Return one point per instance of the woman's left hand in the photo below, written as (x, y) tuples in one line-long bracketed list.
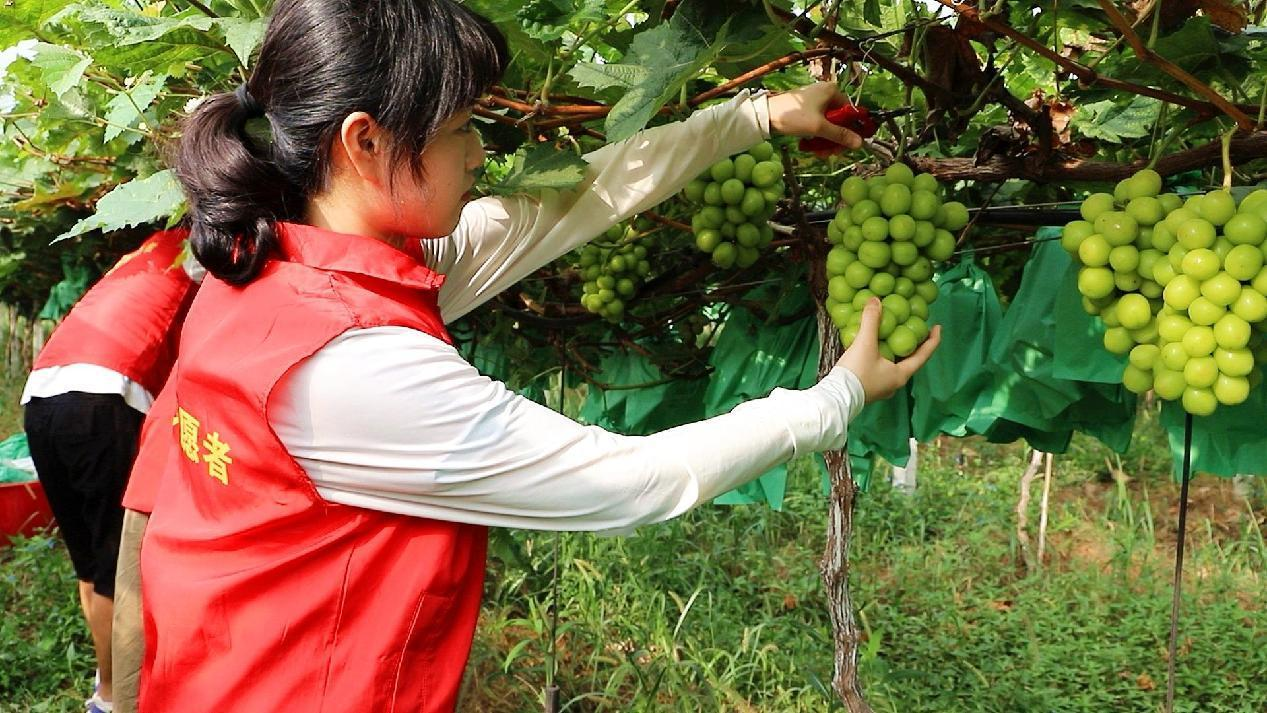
[(801, 112)]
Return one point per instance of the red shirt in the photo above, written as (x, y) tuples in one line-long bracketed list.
[(260, 595)]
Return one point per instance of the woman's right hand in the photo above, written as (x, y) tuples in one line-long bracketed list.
[(879, 376)]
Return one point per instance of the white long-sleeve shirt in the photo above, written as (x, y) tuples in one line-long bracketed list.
[(392, 419)]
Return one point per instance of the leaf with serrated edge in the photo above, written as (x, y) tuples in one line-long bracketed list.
[(1109, 121), (242, 36), (542, 167), (128, 107), (673, 52), (603, 76), (139, 201), (61, 67)]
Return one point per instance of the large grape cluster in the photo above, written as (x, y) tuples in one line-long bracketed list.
[(736, 197), (1180, 287), (614, 267), (887, 234)]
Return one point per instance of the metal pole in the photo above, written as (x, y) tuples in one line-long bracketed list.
[(1178, 584)]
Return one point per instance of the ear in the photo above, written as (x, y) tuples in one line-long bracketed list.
[(362, 146)]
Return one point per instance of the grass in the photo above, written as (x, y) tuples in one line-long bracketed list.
[(721, 609)]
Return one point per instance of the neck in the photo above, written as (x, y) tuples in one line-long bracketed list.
[(322, 212)]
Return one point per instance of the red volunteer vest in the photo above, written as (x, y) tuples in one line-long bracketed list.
[(156, 451), (260, 596), (130, 320)]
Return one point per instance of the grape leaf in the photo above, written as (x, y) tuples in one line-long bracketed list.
[(61, 68), (163, 45), (130, 27), (542, 167), (1110, 121), (871, 12), (605, 76), (672, 53), (127, 108), (139, 201), (243, 36), (23, 20)]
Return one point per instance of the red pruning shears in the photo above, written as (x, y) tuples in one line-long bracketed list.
[(858, 119)]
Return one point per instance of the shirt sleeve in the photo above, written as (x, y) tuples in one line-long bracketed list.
[(392, 419), (499, 241)]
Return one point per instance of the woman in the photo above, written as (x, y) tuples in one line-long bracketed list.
[(321, 544)]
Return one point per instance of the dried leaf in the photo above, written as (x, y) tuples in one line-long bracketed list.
[(1228, 15), (952, 63)]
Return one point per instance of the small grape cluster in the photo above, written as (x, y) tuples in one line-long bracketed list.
[(736, 197), (614, 269), (887, 234), (1180, 286)]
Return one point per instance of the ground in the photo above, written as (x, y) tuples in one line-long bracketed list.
[(721, 609)]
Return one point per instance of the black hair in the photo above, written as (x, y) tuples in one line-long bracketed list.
[(411, 64)]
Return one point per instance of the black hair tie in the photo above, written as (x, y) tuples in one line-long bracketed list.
[(250, 107)]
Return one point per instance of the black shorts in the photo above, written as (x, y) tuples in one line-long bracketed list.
[(83, 446)]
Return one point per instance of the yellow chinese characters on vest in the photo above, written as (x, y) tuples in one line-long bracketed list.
[(209, 450)]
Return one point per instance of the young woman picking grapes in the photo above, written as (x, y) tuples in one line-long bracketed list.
[(318, 539)]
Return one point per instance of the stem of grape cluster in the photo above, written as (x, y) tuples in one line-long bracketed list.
[(1227, 157), (1262, 105)]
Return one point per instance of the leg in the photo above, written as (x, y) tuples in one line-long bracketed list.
[(98, 445), (85, 599), (47, 436), (99, 623), (128, 635)]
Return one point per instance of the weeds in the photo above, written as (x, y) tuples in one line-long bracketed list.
[(720, 610)]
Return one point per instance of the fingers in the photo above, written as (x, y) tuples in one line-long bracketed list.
[(908, 366), (869, 327), (835, 97), (846, 138)]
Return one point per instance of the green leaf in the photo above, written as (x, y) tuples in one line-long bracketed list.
[(1110, 121), (127, 108), (672, 53), (139, 201), (163, 45), (243, 36), (129, 27), (871, 12), (1191, 45), (23, 19), (542, 167), (605, 76), (60, 67)]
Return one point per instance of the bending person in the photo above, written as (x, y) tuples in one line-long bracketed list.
[(90, 387)]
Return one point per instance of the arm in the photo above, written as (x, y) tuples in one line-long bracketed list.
[(392, 419), (499, 241)]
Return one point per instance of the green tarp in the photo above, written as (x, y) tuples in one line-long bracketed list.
[(75, 280), (1231, 441), (752, 358), (15, 460)]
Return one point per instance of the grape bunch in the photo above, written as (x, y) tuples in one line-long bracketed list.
[(1180, 286), (886, 236), (614, 267), (736, 197)]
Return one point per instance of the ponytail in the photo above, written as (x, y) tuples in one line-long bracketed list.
[(236, 192)]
